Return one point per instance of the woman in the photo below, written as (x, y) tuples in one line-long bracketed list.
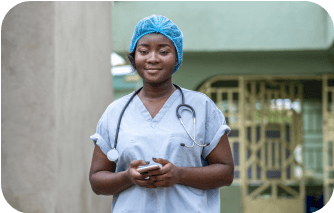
[(151, 133)]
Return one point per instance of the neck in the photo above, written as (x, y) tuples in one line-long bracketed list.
[(156, 91)]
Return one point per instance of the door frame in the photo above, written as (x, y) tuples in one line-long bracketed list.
[(206, 88), (328, 136)]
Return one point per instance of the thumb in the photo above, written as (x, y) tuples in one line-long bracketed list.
[(161, 161), (137, 163)]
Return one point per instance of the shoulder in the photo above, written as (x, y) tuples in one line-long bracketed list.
[(200, 100)]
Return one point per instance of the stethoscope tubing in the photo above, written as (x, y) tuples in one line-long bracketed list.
[(187, 107), (121, 115)]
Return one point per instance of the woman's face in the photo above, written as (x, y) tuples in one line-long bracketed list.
[(155, 58)]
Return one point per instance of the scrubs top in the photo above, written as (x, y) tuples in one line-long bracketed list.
[(142, 137)]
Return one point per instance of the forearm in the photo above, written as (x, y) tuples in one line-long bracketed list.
[(109, 183), (208, 177)]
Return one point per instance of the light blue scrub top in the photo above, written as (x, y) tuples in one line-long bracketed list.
[(141, 138)]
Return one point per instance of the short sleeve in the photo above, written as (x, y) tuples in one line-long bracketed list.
[(215, 128), (101, 137)]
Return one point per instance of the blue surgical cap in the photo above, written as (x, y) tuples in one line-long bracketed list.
[(159, 24)]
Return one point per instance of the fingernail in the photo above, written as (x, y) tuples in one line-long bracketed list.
[(154, 158), (147, 162)]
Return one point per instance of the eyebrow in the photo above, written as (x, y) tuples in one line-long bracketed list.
[(160, 45)]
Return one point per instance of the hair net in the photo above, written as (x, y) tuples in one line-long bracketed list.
[(159, 24)]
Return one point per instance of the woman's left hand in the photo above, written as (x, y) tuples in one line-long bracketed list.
[(167, 176)]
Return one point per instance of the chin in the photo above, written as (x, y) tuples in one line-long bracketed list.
[(156, 82)]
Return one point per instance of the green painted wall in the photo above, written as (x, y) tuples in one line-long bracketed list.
[(224, 38), (198, 67), (224, 26)]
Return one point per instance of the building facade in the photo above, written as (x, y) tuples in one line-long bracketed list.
[(269, 67)]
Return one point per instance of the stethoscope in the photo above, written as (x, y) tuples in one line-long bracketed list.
[(113, 153)]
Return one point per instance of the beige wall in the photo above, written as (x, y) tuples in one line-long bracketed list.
[(56, 83)]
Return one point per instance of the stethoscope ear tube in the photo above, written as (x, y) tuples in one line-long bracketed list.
[(113, 153), (184, 105), (121, 115)]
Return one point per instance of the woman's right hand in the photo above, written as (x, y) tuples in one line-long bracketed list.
[(136, 177)]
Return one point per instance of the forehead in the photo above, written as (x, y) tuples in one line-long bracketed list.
[(154, 39)]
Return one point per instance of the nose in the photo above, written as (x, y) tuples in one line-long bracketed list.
[(153, 58)]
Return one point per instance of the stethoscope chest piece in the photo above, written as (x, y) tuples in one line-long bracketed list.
[(112, 155)]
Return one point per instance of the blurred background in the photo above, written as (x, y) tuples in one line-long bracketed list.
[(269, 67)]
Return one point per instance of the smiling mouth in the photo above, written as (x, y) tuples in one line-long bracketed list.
[(153, 71)]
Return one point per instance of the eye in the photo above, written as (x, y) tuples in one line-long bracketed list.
[(164, 52), (143, 52)]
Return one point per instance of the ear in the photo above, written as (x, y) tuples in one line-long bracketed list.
[(176, 56)]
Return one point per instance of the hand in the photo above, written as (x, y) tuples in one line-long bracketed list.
[(167, 176), (136, 177)]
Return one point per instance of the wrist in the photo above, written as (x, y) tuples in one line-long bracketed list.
[(180, 172), (128, 177)]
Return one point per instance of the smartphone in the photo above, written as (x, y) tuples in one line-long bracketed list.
[(148, 168)]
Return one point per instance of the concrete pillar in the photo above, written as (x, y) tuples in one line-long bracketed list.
[(56, 83)]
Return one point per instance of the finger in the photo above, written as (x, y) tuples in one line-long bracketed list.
[(145, 183), (150, 187), (140, 177), (166, 168), (153, 172), (161, 161), (159, 184), (154, 178), (136, 175), (137, 163), (158, 178)]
